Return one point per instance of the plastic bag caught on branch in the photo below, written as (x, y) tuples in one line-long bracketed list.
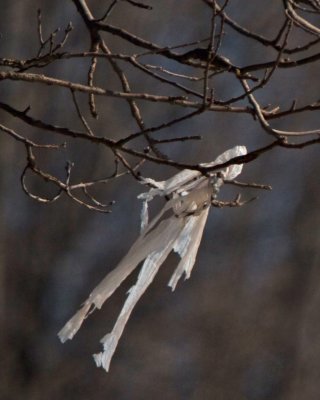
[(178, 226)]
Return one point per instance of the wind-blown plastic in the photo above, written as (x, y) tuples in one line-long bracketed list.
[(178, 226)]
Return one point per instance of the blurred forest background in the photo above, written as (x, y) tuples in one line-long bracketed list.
[(246, 325)]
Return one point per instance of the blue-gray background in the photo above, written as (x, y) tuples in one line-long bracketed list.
[(246, 325)]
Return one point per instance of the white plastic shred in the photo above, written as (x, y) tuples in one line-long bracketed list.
[(188, 206), (187, 246)]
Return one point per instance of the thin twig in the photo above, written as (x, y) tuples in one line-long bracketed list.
[(248, 185), (235, 203), (80, 115)]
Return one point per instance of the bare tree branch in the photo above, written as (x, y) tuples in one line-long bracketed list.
[(171, 87)]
